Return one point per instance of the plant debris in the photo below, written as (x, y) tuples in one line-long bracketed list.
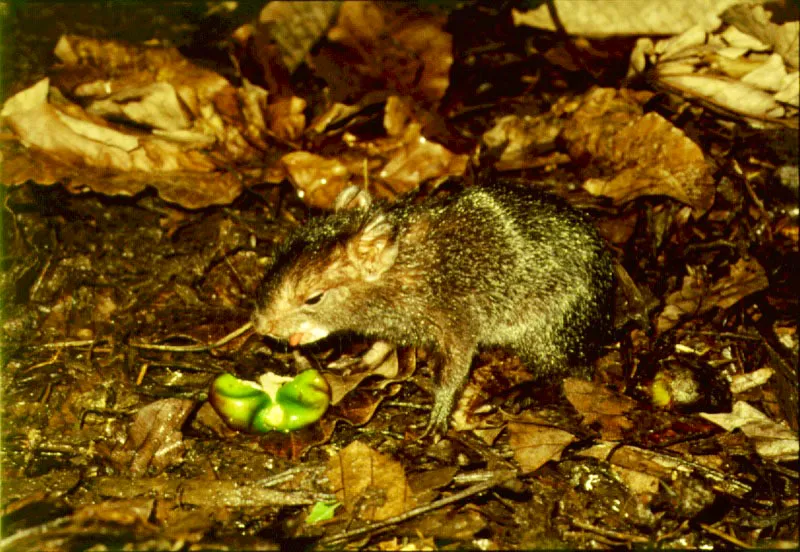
[(153, 160)]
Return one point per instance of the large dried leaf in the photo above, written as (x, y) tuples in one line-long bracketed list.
[(371, 486), (155, 441), (599, 405), (318, 180), (600, 18), (408, 52), (188, 128), (381, 360), (641, 154), (773, 441), (659, 468), (748, 69), (535, 442), (696, 297), (523, 141), (396, 164), (756, 21)]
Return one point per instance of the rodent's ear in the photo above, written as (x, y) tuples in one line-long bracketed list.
[(352, 197), (374, 249)]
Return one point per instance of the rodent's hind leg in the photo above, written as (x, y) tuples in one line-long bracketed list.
[(453, 372)]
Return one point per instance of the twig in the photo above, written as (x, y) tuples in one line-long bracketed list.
[(285, 475), (617, 535), (724, 536), (195, 348), (475, 489), (35, 531), (68, 344)]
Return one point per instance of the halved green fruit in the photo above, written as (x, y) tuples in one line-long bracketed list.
[(275, 403)]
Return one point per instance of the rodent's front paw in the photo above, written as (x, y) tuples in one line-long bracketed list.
[(374, 357), (439, 421)]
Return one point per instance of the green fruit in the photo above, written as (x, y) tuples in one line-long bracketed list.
[(275, 403)]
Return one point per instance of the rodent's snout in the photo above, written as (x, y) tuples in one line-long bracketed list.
[(261, 325)]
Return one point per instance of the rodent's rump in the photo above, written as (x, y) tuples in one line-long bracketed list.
[(489, 266)]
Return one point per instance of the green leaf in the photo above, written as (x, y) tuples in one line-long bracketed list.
[(322, 511)]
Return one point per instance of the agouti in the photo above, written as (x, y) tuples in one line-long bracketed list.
[(496, 265)]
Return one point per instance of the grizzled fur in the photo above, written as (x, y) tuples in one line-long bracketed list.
[(489, 266)]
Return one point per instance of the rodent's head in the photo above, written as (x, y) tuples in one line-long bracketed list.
[(306, 294)]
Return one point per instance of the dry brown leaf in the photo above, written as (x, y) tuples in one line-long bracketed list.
[(318, 180), (747, 69), (664, 466), (191, 131), (371, 486), (641, 154), (155, 441), (336, 112), (410, 157), (418, 159), (600, 18), (745, 382), (132, 83), (287, 119), (186, 187), (756, 21), (296, 27), (381, 360), (408, 52), (695, 297), (597, 404), (361, 403), (737, 96), (534, 442), (402, 160), (448, 524), (524, 140), (773, 441)]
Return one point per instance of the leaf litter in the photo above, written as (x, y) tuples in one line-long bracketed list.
[(147, 183)]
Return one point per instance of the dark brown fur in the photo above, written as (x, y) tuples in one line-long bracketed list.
[(489, 266)]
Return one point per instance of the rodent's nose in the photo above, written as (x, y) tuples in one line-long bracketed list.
[(261, 325)]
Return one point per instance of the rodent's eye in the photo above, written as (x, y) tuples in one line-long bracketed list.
[(314, 298)]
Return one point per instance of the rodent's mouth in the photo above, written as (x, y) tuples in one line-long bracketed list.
[(295, 332), (311, 335)]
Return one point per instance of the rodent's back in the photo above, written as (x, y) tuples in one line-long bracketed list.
[(513, 267), (496, 265)]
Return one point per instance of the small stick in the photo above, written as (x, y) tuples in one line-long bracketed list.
[(195, 348), (724, 536), (475, 489)]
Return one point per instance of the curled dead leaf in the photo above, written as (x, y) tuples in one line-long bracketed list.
[(773, 440), (155, 440), (745, 68), (695, 297), (524, 140), (419, 160), (184, 130)]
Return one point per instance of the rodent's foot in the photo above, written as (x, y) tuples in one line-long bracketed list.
[(439, 422), (370, 360), (431, 430)]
